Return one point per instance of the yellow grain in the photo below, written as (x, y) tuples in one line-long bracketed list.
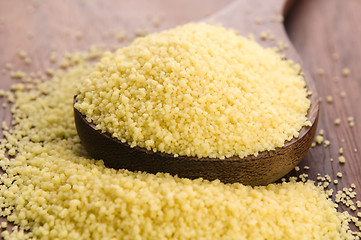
[(346, 72)]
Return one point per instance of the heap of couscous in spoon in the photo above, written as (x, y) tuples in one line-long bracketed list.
[(196, 90)]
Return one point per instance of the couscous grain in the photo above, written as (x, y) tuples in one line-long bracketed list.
[(346, 72), (341, 159)]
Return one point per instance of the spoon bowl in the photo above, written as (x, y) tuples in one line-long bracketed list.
[(245, 16), (265, 168)]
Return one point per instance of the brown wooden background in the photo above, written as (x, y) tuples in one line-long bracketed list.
[(317, 28)]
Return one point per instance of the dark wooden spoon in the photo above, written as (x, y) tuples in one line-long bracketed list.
[(246, 17)]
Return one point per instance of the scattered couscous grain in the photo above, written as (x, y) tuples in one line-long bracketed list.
[(329, 99), (64, 63), (49, 71), (5, 234), (18, 74), (4, 126), (141, 32), (319, 139), (281, 46), (186, 93), (264, 35), (337, 121), (22, 54), (350, 121), (303, 177), (258, 21), (79, 35), (8, 66), (320, 71), (340, 151), (17, 87), (249, 36), (156, 21), (27, 60), (4, 224), (346, 72), (271, 37), (53, 57), (121, 36), (341, 159)]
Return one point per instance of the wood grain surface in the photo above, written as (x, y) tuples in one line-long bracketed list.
[(321, 30), (317, 28)]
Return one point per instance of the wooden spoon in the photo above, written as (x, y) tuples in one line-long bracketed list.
[(246, 17)]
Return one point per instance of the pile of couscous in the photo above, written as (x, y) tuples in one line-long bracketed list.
[(51, 189), (196, 90)]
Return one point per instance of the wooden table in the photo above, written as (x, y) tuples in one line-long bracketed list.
[(326, 35), (319, 29)]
